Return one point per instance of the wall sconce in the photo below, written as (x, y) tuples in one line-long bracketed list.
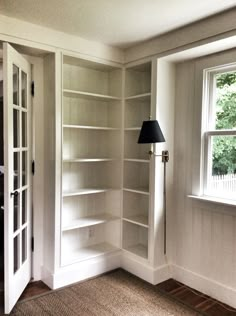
[(151, 133)]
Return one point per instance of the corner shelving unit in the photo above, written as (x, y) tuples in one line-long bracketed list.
[(135, 237), (91, 160)]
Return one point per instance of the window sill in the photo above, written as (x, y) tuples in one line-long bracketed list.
[(213, 199)]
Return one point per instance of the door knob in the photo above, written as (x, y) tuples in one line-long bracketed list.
[(15, 194)]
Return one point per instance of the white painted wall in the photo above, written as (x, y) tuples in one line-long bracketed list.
[(38, 156), (165, 111), (204, 254), (49, 224), (33, 35)]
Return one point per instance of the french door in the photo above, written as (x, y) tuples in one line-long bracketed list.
[(17, 178)]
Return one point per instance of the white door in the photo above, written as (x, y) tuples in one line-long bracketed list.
[(17, 178)]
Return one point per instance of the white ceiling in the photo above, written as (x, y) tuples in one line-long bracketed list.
[(120, 23)]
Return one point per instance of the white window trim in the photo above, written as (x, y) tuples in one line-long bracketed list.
[(207, 121)]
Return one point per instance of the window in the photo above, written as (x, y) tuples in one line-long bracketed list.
[(219, 132)]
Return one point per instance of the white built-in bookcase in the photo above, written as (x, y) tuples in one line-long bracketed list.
[(91, 160), (100, 128), (136, 193)]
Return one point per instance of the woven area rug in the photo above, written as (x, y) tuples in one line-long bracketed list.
[(117, 293)]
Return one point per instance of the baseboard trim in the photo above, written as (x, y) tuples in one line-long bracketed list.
[(205, 285), (47, 277), (144, 271), (85, 270), (97, 266), (162, 273)]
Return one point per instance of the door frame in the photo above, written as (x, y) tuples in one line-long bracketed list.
[(37, 146)]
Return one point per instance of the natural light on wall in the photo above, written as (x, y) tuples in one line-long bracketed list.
[(220, 134)]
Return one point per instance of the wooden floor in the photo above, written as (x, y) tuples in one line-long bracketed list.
[(34, 289), (194, 299)]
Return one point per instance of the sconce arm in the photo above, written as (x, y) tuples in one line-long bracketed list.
[(164, 155)]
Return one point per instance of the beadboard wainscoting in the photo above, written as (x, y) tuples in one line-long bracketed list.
[(204, 253)]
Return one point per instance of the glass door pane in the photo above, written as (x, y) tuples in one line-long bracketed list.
[(16, 212), (24, 128), (16, 128), (16, 170), (23, 89), (15, 85)]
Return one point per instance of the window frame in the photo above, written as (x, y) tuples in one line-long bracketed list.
[(208, 129)]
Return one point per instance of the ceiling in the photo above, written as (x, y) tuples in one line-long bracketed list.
[(119, 23)]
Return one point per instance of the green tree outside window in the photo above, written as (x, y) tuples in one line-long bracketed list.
[(224, 147)]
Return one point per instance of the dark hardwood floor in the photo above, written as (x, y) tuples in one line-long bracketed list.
[(195, 299), (34, 289)]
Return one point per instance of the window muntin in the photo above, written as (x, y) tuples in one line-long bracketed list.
[(220, 133)]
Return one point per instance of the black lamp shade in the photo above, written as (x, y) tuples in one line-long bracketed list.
[(150, 133)]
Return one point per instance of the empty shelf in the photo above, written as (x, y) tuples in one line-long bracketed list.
[(90, 221), (102, 128), (139, 250), (88, 160), (138, 190), (88, 95), (137, 219), (136, 128), (143, 96), (85, 253), (137, 160), (84, 191)]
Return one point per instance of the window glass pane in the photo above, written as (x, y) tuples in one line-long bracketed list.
[(15, 85), (24, 168), (16, 128), (225, 101), (24, 245), (23, 89), (24, 129), (222, 178), (16, 175)]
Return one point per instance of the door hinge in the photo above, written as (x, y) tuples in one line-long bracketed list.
[(32, 88), (32, 244), (33, 167)]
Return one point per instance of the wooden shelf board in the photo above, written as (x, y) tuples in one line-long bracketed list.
[(87, 253), (138, 250), (137, 160), (102, 128), (88, 64), (84, 191), (88, 95), (133, 128), (90, 221), (137, 219), (138, 190), (88, 160), (142, 96)]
